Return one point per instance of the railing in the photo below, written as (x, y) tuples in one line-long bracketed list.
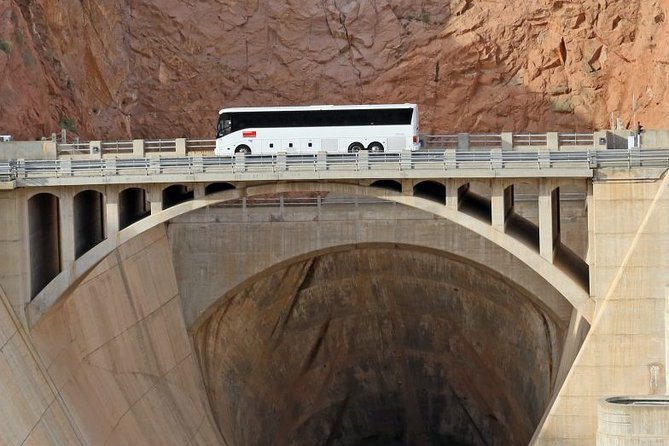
[(575, 139), (117, 147), (484, 141), (440, 141), (200, 146), (529, 139), (390, 164), (461, 141)]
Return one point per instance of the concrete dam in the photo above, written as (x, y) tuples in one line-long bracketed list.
[(461, 310), (367, 329)]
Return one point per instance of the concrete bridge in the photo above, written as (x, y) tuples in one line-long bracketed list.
[(141, 291)]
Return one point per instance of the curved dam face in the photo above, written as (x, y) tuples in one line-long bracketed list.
[(378, 345)]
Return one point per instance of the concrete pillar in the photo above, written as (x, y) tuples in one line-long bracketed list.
[(452, 194), (198, 191), (549, 218), (138, 148), (552, 141), (507, 141), (156, 199), (95, 148), (407, 187), (501, 203), (463, 141), (180, 144), (50, 150), (67, 244), (497, 205), (600, 139), (112, 212)]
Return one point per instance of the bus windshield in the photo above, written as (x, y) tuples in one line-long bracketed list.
[(224, 125)]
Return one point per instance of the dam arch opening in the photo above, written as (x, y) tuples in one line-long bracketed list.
[(379, 344)]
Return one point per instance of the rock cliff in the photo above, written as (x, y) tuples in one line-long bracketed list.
[(149, 68)]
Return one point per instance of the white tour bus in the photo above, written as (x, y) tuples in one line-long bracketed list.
[(310, 129)]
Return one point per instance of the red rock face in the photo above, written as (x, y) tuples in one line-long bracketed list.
[(147, 68)]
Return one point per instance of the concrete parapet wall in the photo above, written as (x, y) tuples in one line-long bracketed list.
[(633, 421), (27, 150)]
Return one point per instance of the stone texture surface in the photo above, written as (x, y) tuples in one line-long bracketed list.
[(148, 68), (378, 346)]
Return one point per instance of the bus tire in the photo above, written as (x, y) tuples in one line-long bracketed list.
[(375, 147), (355, 147), (243, 148)]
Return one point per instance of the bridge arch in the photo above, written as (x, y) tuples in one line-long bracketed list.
[(571, 289)]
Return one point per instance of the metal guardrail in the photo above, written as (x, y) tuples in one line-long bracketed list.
[(388, 162), (575, 139)]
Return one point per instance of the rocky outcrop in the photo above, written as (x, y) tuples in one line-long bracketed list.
[(148, 68)]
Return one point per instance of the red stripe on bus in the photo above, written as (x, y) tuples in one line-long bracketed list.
[(249, 134)]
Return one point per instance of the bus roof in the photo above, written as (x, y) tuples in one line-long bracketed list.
[(315, 107)]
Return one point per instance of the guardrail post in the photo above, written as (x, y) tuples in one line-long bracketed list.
[(496, 159), (239, 164), (138, 148), (95, 148), (363, 160), (65, 167), (322, 161), (180, 144), (463, 141), (507, 140), (198, 164), (154, 166), (281, 162), (552, 141), (544, 157), (20, 168), (634, 158), (450, 162), (405, 160), (109, 166)]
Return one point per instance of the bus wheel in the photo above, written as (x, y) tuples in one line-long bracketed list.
[(243, 148), (355, 147), (375, 147)]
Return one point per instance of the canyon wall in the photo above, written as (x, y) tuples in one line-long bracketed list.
[(147, 68)]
